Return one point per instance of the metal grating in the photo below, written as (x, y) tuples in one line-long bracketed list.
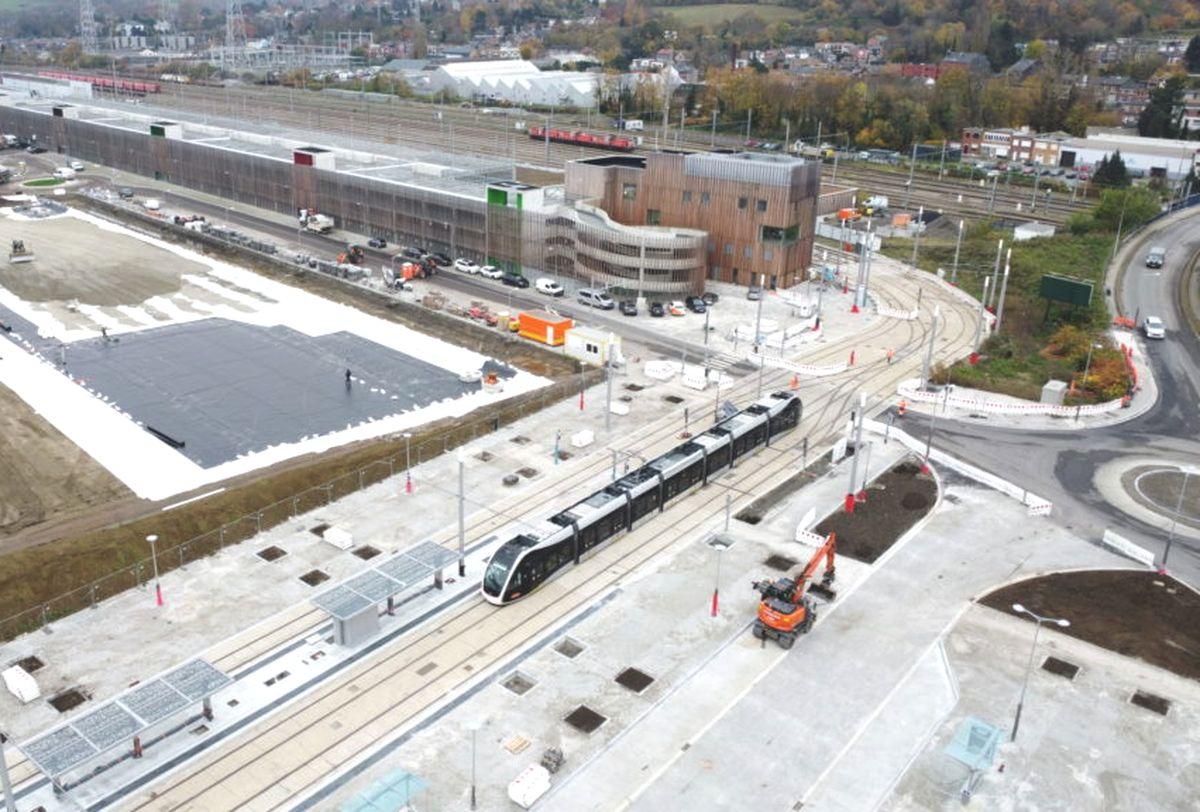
[(374, 585), (120, 719), (154, 700), (342, 603), (196, 679)]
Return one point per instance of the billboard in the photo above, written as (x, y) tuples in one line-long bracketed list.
[(1065, 289)]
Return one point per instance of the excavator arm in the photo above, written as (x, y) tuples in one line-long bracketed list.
[(826, 553)]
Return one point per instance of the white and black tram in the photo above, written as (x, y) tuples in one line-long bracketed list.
[(525, 562)]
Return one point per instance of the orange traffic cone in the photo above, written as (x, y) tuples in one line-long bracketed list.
[(795, 384)]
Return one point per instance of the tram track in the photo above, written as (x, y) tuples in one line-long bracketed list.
[(504, 631)]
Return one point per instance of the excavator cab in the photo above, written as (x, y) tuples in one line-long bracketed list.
[(786, 611)]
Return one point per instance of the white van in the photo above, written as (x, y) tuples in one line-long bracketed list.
[(596, 298), (548, 286), (152, 204), (64, 173)]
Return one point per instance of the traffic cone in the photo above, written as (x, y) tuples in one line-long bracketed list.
[(795, 384), (849, 503)]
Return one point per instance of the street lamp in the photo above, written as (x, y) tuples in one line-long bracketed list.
[(1087, 366), (408, 486), (1188, 471), (1061, 623), (158, 598)]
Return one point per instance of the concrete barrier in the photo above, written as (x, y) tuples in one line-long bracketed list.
[(910, 390), (1123, 546)]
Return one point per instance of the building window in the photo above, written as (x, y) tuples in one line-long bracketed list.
[(728, 248), (704, 198), (687, 195), (768, 254), (762, 205), (787, 236), (748, 252), (629, 191), (653, 217), (743, 202)]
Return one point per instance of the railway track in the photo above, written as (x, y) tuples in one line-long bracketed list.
[(289, 755), (364, 121)]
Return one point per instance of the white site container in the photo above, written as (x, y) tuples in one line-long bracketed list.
[(21, 684), (529, 786)]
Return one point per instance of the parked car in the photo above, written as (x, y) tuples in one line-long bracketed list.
[(513, 279), (35, 150), (710, 298), (628, 307), (439, 259), (548, 286), (77, 165), (771, 146), (595, 298), (415, 254), (491, 272), (1152, 327), (465, 265), (695, 304), (677, 308), (754, 293), (657, 309), (125, 193), (377, 242)]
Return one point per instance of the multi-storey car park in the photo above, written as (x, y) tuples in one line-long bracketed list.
[(476, 208)]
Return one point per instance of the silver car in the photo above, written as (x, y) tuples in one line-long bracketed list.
[(1152, 327)]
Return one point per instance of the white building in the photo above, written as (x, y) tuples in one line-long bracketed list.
[(516, 81), (1143, 157)]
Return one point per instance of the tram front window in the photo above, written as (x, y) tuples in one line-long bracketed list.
[(497, 569)]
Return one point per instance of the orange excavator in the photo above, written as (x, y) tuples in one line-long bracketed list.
[(786, 611)]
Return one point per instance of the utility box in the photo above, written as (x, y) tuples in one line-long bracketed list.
[(1054, 392)]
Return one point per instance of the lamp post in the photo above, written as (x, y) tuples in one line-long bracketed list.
[(158, 598), (720, 546), (957, 249), (1188, 471), (1087, 366), (10, 803), (1060, 622), (762, 294), (408, 486), (462, 510)]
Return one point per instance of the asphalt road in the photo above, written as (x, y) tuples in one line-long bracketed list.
[(1061, 465)]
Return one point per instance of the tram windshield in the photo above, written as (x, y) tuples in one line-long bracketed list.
[(497, 569)]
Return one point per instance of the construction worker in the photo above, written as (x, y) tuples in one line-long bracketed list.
[(902, 408)]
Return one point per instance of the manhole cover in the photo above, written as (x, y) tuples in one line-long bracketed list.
[(519, 683), (626, 398), (780, 562), (564, 455), (1151, 702), (584, 719), (635, 680), (634, 387), (314, 577), (485, 456), (1060, 667), (320, 529), (520, 439), (271, 553), (527, 472), (30, 664), (914, 501), (672, 399), (366, 552), (569, 647), (71, 698), (510, 479)]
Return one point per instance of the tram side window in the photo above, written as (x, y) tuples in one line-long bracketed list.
[(691, 475), (645, 503), (718, 459), (587, 537)]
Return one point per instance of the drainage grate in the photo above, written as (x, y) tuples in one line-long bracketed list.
[(520, 439), (672, 399), (1060, 667), (584, 719), (485, 456), (520, 684), (510, 480), (569, 647), (780, 562), (271, 553), (1151, 702), (320, 529), (366, 552), (527, 472), (635, 680), (30, 664), (314, 577), (70, 698), (634, 387), (720, 542)]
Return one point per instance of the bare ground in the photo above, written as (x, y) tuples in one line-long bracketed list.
[(42, 473)]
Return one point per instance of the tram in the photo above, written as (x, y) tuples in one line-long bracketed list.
[(530, 559)]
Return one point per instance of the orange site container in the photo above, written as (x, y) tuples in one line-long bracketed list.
[(544, 326)]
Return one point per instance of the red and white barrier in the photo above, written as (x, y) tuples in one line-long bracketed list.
[(811, 370)]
